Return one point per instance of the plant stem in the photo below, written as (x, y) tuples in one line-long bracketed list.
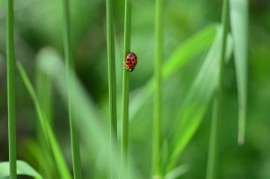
[(157, 97), (125, 97), (111, 72), (75, 144), (11, 90), (217, 107), (111, 67)]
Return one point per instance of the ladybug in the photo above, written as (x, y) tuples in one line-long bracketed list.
[(131, 61)]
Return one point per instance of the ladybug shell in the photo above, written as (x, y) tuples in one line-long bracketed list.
[(131, 61)]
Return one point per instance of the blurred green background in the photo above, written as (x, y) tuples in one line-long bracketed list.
[(39, 24)]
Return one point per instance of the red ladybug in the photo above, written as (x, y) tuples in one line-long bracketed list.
[(131, 61)]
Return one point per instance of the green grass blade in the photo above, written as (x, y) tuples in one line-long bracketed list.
[(239, 26), (111, 66), (42, 156), (111, 70), (189, 49), (125, 86), (23, 168), (89, 118), (75, 144), (156, 162), (48, 132), (198, 98), (218, 98), (11, 88)]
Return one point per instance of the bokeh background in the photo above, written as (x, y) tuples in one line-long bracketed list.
[(38, 24)]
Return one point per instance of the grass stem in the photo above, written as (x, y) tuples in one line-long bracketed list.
[(217, 108), (157, 96), (111, 73), (75, 144), (111, 67), (11, 90), (125, 89)]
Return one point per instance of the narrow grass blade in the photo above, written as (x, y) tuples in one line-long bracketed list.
[(111, 70), (198, 98), (48, 132), (11, 88), (239, 26), (218, 98), (125, 86), (75, 143), (93, 131), (111, 66), (156, 150), (23, 168), (189, 49)]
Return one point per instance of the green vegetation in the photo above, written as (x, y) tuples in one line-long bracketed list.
[(192, 98), (11, 90), (75, 142)]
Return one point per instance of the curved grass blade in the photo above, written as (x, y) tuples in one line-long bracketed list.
[(196, 103), (189, 49), (23, 168), (239, 26), (48, 132)]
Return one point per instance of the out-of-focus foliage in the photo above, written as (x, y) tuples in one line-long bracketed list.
[(38, 24), (23, 169)]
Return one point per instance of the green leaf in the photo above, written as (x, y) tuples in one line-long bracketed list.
[(189, 49), (23, 168), (196, 102), (239, 26)]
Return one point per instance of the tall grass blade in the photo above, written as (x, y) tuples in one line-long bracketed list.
[(157, 92), (111, 66), (198, 98), (111, 69), (239, 26), (46, 128), (89, 117), (11, 88), (125, 87), (218, 98), (23, 168), (75, 144)]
